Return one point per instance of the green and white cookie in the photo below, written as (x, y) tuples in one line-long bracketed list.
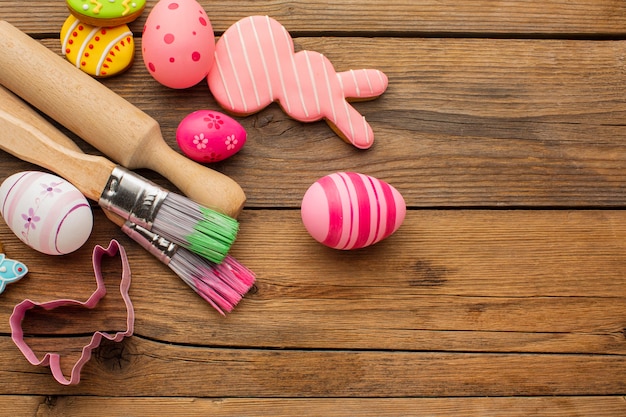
[(106, 12)]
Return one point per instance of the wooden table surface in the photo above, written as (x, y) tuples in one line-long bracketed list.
[(502, 294)]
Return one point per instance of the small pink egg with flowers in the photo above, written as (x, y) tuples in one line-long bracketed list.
[(348, 210), (178, 43), (210, 136)]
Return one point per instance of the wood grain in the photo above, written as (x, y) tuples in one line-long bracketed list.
[(394, 17), (502, 294), (464, 123), (447, 280), (148, 368), (20, 406)]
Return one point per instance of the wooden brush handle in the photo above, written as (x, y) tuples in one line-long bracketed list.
[(28, 136), (15, 107), (102, 118)]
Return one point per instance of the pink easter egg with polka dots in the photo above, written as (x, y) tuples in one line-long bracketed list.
[(210, 136), (178, 43), (348, 210)]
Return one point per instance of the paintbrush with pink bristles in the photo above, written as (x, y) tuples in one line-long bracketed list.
[(202, 223), (30, 137), (104, 119), (221, 285)]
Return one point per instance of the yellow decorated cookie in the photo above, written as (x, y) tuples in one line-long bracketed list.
[(98, 51), (106, 12)]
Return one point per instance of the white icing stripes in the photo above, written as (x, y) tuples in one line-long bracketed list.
[(281, 77), (246, 58), (268, 80), (256, 65), (108, 49), (87, 41), (69, 33), (235, 74)]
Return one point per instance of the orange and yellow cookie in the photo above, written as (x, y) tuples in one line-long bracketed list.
[(98, 51), (106, 12)]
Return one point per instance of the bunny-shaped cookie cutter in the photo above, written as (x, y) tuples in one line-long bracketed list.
[(53, 359)]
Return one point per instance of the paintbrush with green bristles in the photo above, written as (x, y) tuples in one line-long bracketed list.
[(222, 285), (131, 137), (104, 119), (118, 190)]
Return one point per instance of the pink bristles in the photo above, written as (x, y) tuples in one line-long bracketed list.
[(221, 285)]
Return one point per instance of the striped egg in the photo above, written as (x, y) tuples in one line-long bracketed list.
[(98, 51), (46, 212), (348, 210)]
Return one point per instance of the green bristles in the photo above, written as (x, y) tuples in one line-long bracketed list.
[(201, 230), (213, 235)]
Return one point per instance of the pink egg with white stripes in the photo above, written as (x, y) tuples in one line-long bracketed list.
[(348, 210), (45, 212), (178, 43)]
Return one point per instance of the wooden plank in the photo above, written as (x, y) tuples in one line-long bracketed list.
[(548, 17), (525, 306), (141, 367), (472, 123), (225, 407), (488, 281)]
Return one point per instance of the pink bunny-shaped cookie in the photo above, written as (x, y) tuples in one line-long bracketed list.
[(255, 65)]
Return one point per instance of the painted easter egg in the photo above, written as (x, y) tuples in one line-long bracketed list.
[(46, 212), (98, 51), (348, 210), (178, 43), (106, 13), (210, 136)]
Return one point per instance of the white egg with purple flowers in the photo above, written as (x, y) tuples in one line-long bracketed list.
[(45, 212)]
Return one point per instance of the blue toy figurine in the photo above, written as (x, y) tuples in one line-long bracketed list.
[(10, 271)]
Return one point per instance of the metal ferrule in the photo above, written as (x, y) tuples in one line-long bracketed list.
[(161, 248), (132, 197)]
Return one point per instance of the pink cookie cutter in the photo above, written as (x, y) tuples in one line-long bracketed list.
[(54, 359)]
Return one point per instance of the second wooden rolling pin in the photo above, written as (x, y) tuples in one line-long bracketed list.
[(104, 119)]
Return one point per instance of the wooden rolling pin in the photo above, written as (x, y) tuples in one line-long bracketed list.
[(108, 122), (30, 118)]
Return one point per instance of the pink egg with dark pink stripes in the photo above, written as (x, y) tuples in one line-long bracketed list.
[(348, 210), (46, 212)]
